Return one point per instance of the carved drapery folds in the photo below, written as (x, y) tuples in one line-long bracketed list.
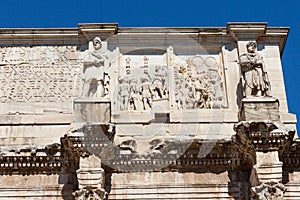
[(142, 86), (268, 191), (199, 83), (95, 75), (255, 77), (186, 82)]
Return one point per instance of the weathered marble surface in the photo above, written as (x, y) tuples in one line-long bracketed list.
[(147, 113)]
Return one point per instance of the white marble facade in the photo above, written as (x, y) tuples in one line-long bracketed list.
[(151, 87)]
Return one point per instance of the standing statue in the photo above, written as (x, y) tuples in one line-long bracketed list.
[(94, 71), (256, 82)]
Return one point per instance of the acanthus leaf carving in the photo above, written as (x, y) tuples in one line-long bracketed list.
[(90, 194), (268, 191)]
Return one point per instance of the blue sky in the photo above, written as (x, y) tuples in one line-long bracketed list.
[(166, 13)]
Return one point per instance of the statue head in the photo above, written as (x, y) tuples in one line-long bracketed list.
[(97, 43), (251, 47), (170, 49)]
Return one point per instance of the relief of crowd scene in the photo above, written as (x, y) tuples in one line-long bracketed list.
[(142, 85), (199, 84)]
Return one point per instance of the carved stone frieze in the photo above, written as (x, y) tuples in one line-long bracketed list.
[(186, 82), (268, 191), (291, 156), (265, 135), (142, 85), (31, 160), (173, 155), (199, 83)]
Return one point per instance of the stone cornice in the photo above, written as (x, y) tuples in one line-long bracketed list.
[(209, 36), (265, 135)]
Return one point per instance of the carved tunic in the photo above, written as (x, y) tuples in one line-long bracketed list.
[(94, 65), (254, 74)]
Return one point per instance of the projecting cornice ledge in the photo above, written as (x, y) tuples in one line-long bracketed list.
[(258, 31), (91, 31), (246, 31)]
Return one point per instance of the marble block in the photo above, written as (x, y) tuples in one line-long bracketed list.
[(92, 110), (259, 108)]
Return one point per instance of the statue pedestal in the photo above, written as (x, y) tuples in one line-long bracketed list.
[(259, 108), (89, 109)]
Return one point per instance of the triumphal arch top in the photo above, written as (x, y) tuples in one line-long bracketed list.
[(102, 112)]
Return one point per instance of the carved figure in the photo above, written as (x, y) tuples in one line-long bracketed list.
[(199, 85), (201, 94), (256, 82), (190, 98), (146, 91), (95, 66), (169, 56), (124, 92), (135, 100), (159, 82), (179, 97)]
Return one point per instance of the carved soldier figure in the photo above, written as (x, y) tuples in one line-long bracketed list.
[(124, 90), (94, 71), (256, 82), (146, 91)]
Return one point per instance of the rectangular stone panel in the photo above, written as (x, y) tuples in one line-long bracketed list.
[(92, 110)]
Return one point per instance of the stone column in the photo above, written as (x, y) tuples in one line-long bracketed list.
[(91, 181), (259, 114), (269, 139)]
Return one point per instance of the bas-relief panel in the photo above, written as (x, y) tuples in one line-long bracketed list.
[(142, 83), (39, 74), (161, 83), (199, 83)]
